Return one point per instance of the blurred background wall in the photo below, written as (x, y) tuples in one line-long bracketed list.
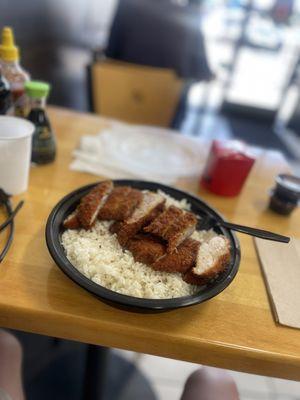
[(55, 37)]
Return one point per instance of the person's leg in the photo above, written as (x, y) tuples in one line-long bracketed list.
[(210, 383), (10, 366)]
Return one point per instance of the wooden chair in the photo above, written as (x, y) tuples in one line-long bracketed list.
[(134, 93)]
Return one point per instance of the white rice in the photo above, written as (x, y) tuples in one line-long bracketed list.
[(170, 201), (97, 254), (203, 236)]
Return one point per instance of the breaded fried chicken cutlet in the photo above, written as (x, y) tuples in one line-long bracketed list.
[(173, 225), (72, 221), (91, 204), (151, 205), (120, 204), (212, 259), (146, 249), (180, 261)]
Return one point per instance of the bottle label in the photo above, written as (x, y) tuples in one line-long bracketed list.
[(43, 145), (20, 103)]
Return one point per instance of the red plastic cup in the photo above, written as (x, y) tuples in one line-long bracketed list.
[(227, 167)]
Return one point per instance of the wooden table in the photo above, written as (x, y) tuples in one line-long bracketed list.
[(236, 330)]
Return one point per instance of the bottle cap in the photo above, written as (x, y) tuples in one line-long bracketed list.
[(8, 50), (37, 89)]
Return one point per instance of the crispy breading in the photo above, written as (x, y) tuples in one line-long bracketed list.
[(146, 249), (72, 221), (91, 203), (174, 226), (120, 204), (180, 261), (115, 227), (211, 261), (151, 205), (163, 222)]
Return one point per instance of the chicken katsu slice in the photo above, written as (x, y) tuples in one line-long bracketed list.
[(91, 204), (146, 249), (120, 204), (174, 226), (212, 259), (163, 222), (180, 261), (115, 227), (151, 205), (72, 221), (180, 230)]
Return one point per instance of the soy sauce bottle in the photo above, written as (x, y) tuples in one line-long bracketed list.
[(5, 96), (43, 140)]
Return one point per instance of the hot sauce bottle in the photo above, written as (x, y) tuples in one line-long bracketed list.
[(13, 72)]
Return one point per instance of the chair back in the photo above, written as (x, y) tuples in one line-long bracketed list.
[(134, 93)]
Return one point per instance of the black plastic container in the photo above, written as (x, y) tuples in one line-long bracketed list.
[(286, 195), (54, 229)]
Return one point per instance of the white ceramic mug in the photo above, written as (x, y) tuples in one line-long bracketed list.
[(15, 153)]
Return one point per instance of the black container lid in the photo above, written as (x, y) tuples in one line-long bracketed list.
[(289, 185)]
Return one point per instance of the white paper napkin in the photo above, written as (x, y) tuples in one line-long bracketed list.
[(142, 152)]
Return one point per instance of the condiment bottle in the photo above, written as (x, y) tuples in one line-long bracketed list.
[(13, 72), (43, 139), (5, 95)]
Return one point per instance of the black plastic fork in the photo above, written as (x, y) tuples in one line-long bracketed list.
[(208, 222)]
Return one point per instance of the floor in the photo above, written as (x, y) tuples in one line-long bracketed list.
[(168, 376)]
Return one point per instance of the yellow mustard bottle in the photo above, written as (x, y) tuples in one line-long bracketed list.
[(13, 72)]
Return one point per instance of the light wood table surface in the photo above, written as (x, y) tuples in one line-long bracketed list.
[(235, 330)]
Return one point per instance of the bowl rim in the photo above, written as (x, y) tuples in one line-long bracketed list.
[(68, 202)]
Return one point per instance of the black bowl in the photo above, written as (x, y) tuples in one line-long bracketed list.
[(54, 230)]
